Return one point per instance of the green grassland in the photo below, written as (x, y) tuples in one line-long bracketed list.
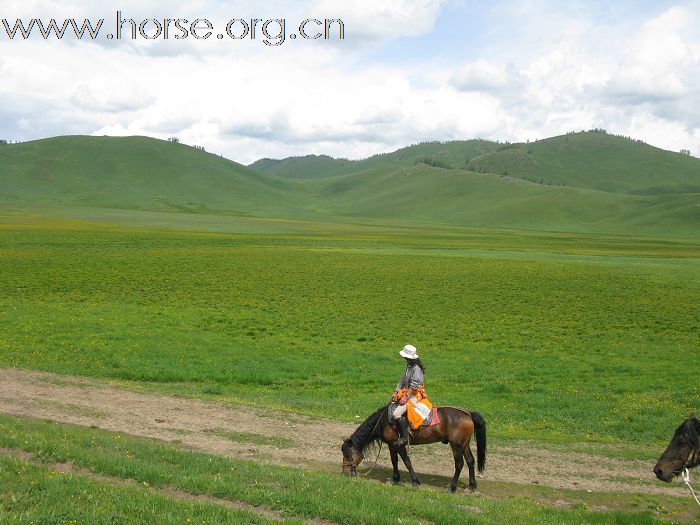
[(551, 337), (30, 491), (553, 286), (31, 494)]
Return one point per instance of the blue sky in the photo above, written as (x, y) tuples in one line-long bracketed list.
[(407, 71)]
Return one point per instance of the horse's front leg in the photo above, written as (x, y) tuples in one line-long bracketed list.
[(396, 477), (407, 461)]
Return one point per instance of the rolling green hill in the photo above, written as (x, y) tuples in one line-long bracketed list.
[(307, 167), (590, 160), (450, 155), (585, 182), (138, 173), (428, 195), (596, 160)]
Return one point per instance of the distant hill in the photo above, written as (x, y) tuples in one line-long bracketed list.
[(426, 194), (451, 155), (306, 167), (591, 182), (595, 160), (136, 173), (591, 160)]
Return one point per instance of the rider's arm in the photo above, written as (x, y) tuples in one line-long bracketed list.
[(415, 381)]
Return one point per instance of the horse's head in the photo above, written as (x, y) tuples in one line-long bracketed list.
[(351, 457), (682, 452)]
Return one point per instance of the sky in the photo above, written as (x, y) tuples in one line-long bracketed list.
[(406, 71)]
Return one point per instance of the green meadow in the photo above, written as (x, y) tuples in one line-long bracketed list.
[(31, 491), (551, 337), (552, 286)]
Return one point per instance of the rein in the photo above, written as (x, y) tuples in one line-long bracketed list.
[(686, 480), (686, 476), (351, 464), (375, 461)]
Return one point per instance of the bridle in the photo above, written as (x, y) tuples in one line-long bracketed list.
[(693, 459), (351, 462), (351, 465), (692, 462)]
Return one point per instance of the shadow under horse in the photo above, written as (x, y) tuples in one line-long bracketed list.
[(683, 452), (456, 427)]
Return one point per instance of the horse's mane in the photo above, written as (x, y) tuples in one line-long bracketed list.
[(690, 430), (368, 432)]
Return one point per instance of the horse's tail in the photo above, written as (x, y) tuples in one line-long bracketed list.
[(480, 431)]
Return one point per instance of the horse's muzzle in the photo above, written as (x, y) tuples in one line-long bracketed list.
[(660, 474), (665, 475), (349, 470)]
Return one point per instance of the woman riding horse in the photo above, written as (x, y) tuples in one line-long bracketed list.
[(413, 404), (452, 425)]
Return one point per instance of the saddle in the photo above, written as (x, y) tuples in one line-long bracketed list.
[(432, 420)]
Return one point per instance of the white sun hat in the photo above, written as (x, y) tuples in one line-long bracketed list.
[(409, 352)]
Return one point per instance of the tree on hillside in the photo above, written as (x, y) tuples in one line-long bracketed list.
[(175, 140), (3, 141), (685, 152), (435, 163)]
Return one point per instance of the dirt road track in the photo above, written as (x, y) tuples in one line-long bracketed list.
[(295, 441)]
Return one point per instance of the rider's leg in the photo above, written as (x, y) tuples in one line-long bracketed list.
[(402, 422), (400, 411)]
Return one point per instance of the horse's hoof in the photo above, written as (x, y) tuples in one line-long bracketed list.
[(416, 483), (472, 488), (395, 481), (452, 489)]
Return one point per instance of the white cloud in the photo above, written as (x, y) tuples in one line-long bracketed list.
[(641, 80), (480, 75), (658, 63), (382, 20), (111, 97), (247, 100)]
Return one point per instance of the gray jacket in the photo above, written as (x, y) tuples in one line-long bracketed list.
[(412, 377)]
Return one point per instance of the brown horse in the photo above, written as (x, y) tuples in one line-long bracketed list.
[(456, 428)]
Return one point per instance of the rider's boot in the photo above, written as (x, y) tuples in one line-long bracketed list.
[(402, 423)]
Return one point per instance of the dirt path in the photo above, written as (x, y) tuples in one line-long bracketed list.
[(252, 433)]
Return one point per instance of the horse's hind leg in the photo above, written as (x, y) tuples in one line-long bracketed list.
[(458, 452), (470, 464), (407, 461), (396, 477)]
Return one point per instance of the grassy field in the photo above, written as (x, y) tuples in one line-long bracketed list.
[(33, 492), (551, 337), (293, 284)]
